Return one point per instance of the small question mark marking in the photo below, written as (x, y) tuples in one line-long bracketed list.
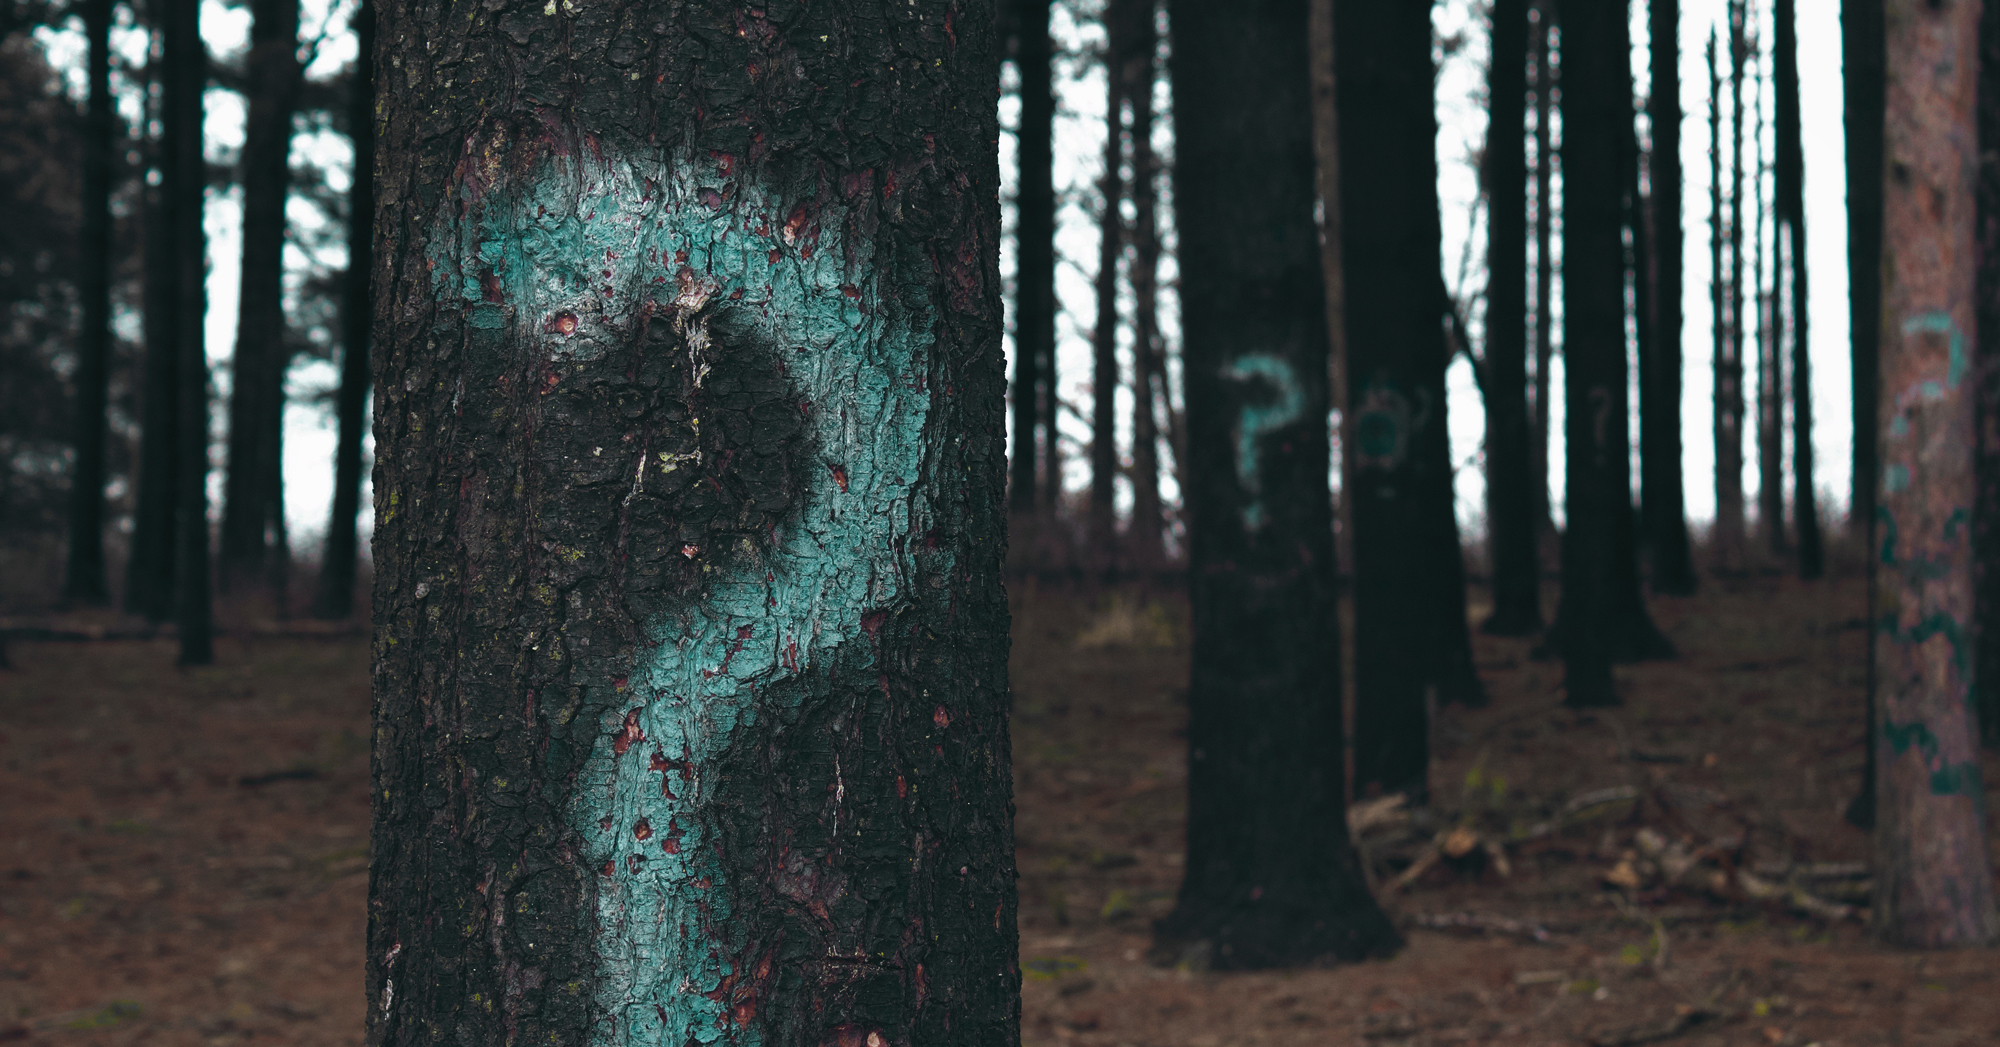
[(1260, 418)]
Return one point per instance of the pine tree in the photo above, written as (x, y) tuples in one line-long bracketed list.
[(1792, 219), (185, 76), (1510, 512), (1662, 500)]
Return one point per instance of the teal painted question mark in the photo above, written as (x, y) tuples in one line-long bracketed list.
[(1260, 418)]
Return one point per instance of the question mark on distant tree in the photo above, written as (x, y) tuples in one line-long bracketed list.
[(1261, 418)]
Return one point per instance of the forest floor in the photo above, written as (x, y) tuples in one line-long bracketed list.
[(183, 853)]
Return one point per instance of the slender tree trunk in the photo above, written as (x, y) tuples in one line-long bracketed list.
[(1546, 85), (1986, 512), (86, 582), (1035, 308), (1662, 499), (338, 562), (1396, 359), (1770, 337), (1510, 506), (1271, 877), (1729, 520), (1144, 535), (149, 573), (1863, 58), (1792, 212), (253, 509), (692, 689), (1933, 883), (1103, 520), (186, 74), (1326, 151), (1596, 125)]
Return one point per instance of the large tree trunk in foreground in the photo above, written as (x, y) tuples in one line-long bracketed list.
[(1663, 509), (1862, 86), (252, 550), (1933, 885), (1986, 512), (1396, 356), (339, 559), (1510, 506), (186, 75), (85, 581), (691, 689), (1792, 212), (1271, 878)]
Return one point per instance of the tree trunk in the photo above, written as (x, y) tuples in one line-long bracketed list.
[(1986, 512), (338, 561), (1035, 298), (1729, 522), (1770, 336), (1510, 507), (149, 573), (1326, 151), (1272, 879), (253, 509), (1545, 87), (1103, 520), (1143, 537), (1662, 498), (691, 693), (1933, 884), (1396, 358), (1596, 125), (1862, 36), (186, 75), (85, 582), (1792, 212)]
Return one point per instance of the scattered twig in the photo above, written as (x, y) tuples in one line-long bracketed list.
[(1477, 922), (1577, 805)]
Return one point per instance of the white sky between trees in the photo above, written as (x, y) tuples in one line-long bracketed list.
[(309, 428)]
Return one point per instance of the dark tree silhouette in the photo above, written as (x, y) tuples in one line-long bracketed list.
[(1603, 616), (1728, 536), (1863, 66), (252, 550), (338, 562), (186, 74), (1148, 370), (1986, 513), (1103, 520), (1271, 877), (1933, 882), (1770, 332), (1035, 258), (149, 572), (1792, 216), (1396, 356), (1510, 506), (85, 582), (1546, 85), (1663, 511), (692, 639)]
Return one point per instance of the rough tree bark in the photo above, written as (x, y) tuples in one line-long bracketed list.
[(339, 560), (186, 62), (1862, 86), (1396, 356), (1986, 513), (1103, 520), (1792, 213), (691, 682), (1599, 619), (1510, 507), (85, 582), (252, 550), (1143, 538), (149, 573), (1663, 507), (1933, 885), (1271, 877)]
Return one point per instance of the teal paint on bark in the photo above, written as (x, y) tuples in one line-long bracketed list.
[(1261, 418), (574, 256), (1938, 322)]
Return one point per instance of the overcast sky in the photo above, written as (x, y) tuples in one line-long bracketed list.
[(309, 432)]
